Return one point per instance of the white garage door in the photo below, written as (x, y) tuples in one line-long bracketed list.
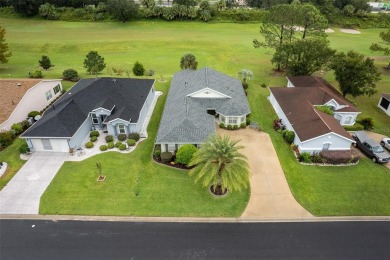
[(53, 145)]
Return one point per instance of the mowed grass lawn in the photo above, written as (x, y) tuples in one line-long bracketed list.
[(357, 190), (135, 186)]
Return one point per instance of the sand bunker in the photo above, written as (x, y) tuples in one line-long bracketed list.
[(351, 31), (329, 30)]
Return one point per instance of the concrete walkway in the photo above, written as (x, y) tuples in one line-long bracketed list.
[(22, 194), (271, 197)]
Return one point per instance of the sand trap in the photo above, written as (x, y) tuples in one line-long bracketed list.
[(351, 31), (329, 30)]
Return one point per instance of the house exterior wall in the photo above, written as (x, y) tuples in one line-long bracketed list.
[(99, 112), (112, 127), (33, 100), (225, 119), (387, 111), (343, 117), (78, 138), (280, 112), (316, 145), (172, 147), (289, 84), (144, 111)]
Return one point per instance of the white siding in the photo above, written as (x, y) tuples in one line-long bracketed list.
[(336, 142), (344, 117), (33, 100), (387, 111)]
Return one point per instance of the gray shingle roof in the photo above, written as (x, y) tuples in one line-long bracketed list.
[(72, 109), (185, 119)]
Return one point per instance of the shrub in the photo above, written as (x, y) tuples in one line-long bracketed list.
[(134, 136), (122, 147), (103, 147), (157, 153), (117, 144), (24, 148), (33, 114), (89, 145), (25, 124), (131, 142), (18, 128), (93, 139), (235, 127), (36, 74), (243, 125), (122, 137), (288, 136), (71, 75), (6, 139), (304, 157), (355, 127), (138, 69), (248, 121), (367, 123), (316, 158), (185, 153), (166, 157), (48, 11), (94, 133), (110, 145), (229, 127), (325, 109), (245, 85), (109, 138), (221, 125), (340, 157), (150, 73), (263, 85)]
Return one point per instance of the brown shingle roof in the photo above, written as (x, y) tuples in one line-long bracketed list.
[(11, 94), (307, 122), (325, 91), (386, 95)]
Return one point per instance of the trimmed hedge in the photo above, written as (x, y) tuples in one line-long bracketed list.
[(355, 127), (33, 114), (134, 136), (221, 125), (131, 142), (243, 125), (288, 136), (122, 137), (89, 145), (122, 147), (185, 153), (94, 133), (117, 144), (93, 139), (110, 145), (24, 148), (109, 138), (103, 147), (340, 157)]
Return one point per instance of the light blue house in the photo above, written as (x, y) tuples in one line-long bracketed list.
[(113, 105)]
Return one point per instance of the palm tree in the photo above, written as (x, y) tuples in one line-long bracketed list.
[(218, 163), (245, 74)]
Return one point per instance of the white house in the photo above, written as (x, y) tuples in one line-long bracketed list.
[(384, 103), (314, 130), (115, 106), (18, 97)]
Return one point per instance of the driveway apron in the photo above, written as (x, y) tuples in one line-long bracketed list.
[(270, 194), (22, 194)]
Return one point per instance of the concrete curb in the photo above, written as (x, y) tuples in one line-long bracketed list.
[(191, 220)]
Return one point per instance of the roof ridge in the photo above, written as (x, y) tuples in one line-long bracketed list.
[(318, 113)]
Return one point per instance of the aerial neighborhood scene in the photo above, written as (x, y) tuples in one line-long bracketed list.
[(241, 109)]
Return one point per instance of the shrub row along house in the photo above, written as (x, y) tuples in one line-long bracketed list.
[(20, 96), (197, 100), (112, 105), (299, 108)]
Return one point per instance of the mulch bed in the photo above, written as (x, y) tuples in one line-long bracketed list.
[(218, 191), (174, 165)]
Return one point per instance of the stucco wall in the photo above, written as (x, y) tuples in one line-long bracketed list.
[(336, 142), (34, 99), (145, 108), (344, 115), (81, 133)]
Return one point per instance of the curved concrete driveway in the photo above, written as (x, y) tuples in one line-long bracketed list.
[(270, 194), (23, 193)]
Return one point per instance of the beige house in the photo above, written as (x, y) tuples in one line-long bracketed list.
[(18, 97)]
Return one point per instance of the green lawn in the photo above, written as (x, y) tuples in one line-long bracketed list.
[(358, 190), (11, 156), (135, 186)]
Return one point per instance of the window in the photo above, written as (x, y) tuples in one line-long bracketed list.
[(222, 119), (171, 147), (121, 129), (348, 120), (242, 119), (48, 95), (338, 117), (95, 120), (232, 120), (385, 103), (325, 146), (57, 89)]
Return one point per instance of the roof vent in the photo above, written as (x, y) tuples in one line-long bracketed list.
[(69, 93), (113, 80)]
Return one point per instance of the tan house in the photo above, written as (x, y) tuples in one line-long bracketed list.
[(18, 97)]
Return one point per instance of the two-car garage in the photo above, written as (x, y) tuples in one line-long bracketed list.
[(46, 144)]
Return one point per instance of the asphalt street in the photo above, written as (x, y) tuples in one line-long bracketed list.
[(37, 239)]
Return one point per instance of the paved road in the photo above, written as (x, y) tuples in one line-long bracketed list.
[(22, 194), (37, 239)]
